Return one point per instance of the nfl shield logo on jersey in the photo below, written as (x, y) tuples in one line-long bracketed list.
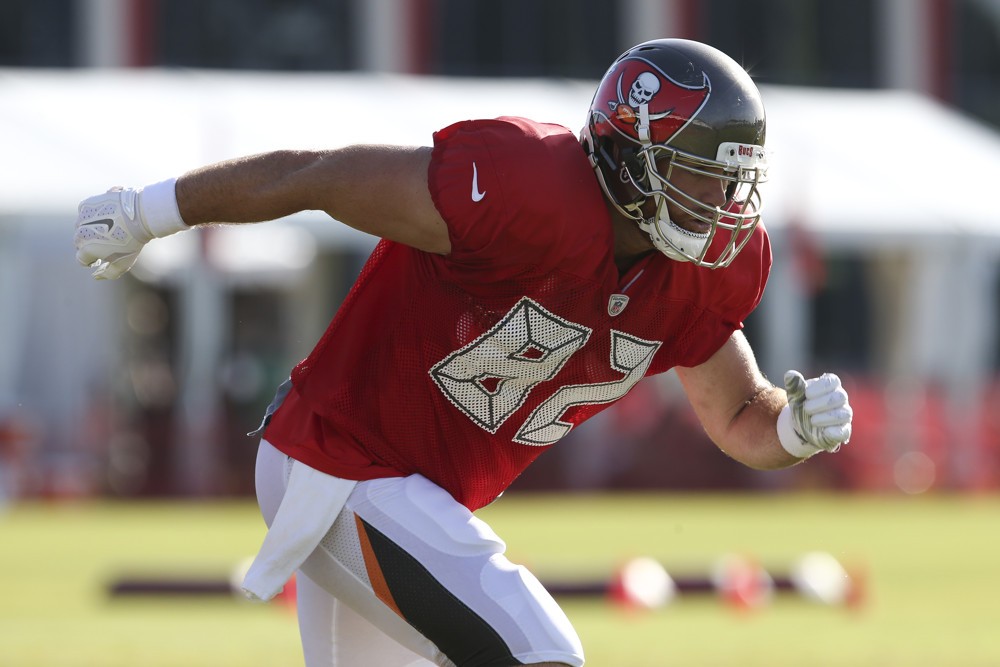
[(616, 304)]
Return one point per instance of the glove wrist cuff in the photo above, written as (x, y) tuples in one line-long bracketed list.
[(789, 439), (158, 209)]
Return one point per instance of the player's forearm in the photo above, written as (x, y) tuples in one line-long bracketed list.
[(751, 436), (249, 189)]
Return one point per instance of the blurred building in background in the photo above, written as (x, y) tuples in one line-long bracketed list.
[(883, 115)]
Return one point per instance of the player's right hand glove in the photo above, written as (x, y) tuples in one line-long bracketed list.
[(113, 227), (818, 415), (110, 233)]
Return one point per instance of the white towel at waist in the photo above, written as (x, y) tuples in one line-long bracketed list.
[(308, 509)]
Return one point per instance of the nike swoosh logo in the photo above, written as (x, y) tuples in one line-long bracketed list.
[(476, 194), (107, 222)]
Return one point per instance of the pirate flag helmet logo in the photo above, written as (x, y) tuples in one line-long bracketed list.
[(634, 82)]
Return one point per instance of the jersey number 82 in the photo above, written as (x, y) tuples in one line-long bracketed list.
[(490, 378)]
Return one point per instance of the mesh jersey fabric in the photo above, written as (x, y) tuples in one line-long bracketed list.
[(465, 367)]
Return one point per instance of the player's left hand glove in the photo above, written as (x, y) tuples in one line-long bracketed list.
[(113, 227), (818, 415)]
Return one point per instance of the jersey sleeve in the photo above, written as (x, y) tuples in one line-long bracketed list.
[(721, 299), (494, 184), (746, 279)]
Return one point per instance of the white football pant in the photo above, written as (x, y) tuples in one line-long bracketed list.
[(406, 576)]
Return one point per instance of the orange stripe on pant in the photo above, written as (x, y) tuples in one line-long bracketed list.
[(374, 569)]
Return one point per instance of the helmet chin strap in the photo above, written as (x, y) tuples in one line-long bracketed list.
[(672, 240)]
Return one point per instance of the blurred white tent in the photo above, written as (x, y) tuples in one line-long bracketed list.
[(883, 163), (866, 171)]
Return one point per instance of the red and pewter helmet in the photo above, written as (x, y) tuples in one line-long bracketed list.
[(677, 104)]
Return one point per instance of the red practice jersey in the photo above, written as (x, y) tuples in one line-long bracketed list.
[(465, 367)]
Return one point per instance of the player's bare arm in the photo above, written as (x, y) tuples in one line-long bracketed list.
[(758, 424), (381, 190), (737, 406)]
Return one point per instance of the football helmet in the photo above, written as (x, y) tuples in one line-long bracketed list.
[(675, 104)]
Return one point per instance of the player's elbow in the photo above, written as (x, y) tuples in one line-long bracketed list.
[(762, 453)]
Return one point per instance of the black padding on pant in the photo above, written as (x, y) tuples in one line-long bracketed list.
[(435, 612)]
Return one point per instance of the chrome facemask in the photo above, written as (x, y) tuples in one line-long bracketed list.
[(743, 167)]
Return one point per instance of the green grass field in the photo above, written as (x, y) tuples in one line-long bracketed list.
[(932, 563)]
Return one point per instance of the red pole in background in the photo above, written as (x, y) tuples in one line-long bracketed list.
[(142, 29)]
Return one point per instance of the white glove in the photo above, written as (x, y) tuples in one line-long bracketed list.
[(818, 415), (112, 228)]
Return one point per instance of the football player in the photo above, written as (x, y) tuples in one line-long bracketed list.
[(525, 280)]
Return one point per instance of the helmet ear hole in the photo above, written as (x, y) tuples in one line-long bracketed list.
[(635, 165), (619, 165)]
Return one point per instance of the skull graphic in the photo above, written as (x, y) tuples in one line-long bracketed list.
[(643, 88), (634, 82)]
